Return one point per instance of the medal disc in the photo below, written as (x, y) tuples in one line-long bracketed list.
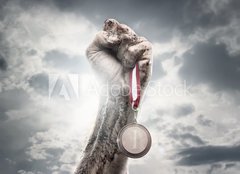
[(134, 140)]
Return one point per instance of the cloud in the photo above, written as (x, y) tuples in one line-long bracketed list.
[(40, 83), (204, 121), (3, 64), (72, 64), (14, 140), (209, 155), (187, 139), (183, 136), (13, 99), (230, 165), (213, 168), (157, 71), (210, 63), (184, 110), (3, 116), (175, 110)]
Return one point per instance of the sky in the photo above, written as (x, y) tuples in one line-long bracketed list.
[(49, 97)]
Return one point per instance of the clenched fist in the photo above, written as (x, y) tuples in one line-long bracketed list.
[(116, 49)]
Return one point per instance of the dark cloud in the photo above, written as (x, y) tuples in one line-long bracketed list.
[(184, 136), (186, 139), (210, 63), (2, 4), (214, 167), (15, 133), (14, 138), (3, 63), (204, 121), (14, 142), (229, 165), (13, 99), (3, 116), (186, 128), (184, 110), (209, 155), (40, 83)]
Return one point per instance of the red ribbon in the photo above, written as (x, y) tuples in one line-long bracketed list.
[(135, 102)]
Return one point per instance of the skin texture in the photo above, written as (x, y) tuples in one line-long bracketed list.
[(112, 55)]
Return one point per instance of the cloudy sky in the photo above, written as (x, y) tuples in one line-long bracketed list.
[(191, 107)]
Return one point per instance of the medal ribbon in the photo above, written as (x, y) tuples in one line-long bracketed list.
[(135, 87)]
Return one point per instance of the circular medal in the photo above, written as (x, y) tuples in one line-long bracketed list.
[(134, 140)]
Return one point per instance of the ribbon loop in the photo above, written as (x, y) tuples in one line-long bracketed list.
[(135, 87)]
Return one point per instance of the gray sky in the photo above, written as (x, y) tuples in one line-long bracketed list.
[(191, 106)]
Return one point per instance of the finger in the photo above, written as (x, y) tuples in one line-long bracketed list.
[(145, 62), (140, 53), (130, 55), (101, 59), (105, 39), (132, 52)]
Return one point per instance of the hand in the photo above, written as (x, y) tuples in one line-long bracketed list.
[(115, 50)]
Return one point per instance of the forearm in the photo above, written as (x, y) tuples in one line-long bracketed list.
[(102, 149)]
